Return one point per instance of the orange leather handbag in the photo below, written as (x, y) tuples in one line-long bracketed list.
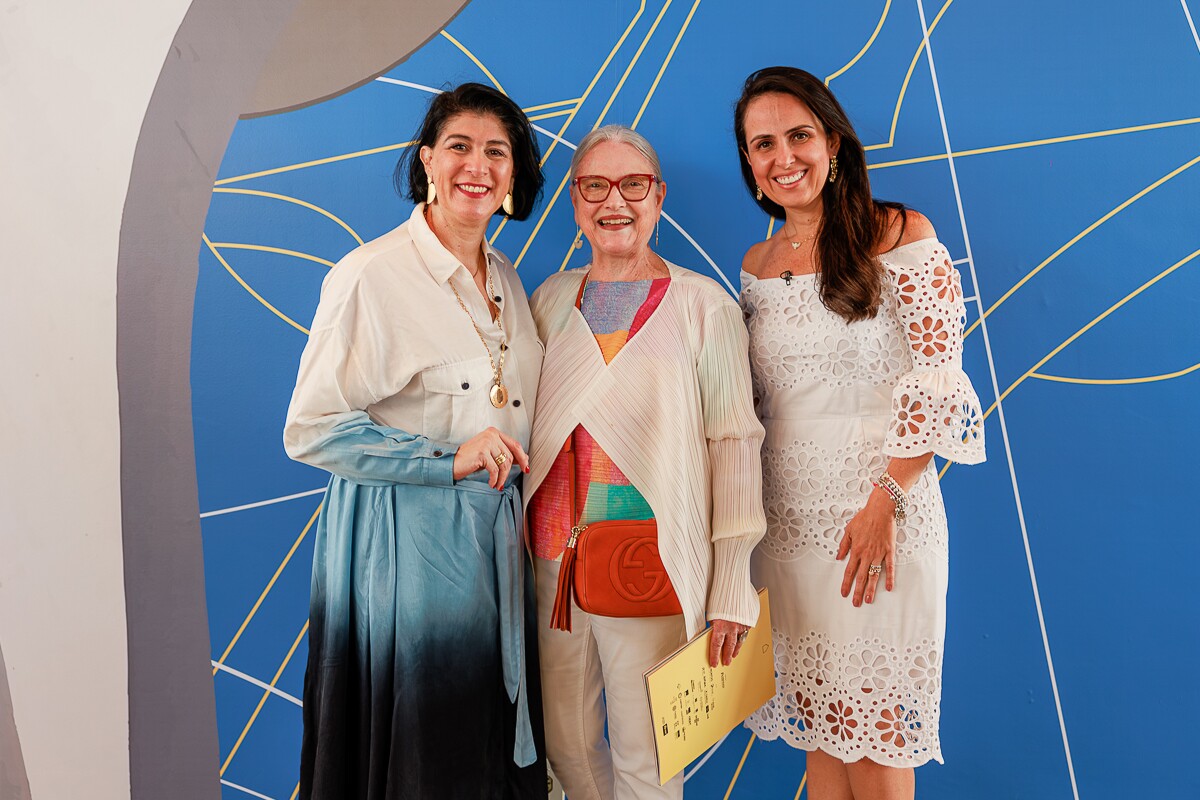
[(612, 567)]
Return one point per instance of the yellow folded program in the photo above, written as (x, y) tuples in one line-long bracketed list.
[(693, 705)]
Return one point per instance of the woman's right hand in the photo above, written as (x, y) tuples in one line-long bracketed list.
[(491, 450)]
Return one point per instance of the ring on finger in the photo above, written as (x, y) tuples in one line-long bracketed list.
[(875, 569), (741, 637), (500, 460)]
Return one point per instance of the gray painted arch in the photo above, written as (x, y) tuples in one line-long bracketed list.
[(229, 59)]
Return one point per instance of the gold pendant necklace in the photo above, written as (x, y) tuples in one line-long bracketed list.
[(498, 394), (796, 245)]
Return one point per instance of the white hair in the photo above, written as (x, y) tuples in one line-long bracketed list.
[(622, 134)]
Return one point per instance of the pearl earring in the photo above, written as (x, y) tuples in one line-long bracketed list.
[(430, 194)]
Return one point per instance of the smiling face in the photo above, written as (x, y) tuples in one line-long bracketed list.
[(617, 228), (788, 150), (471, 165)]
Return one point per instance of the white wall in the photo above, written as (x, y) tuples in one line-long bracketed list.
[(75, 80)]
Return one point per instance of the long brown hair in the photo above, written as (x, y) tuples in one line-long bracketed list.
[(850, 279)]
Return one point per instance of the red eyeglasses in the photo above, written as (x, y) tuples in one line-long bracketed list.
[(597, 188)]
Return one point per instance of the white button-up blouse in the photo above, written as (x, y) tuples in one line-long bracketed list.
[(390, 339)]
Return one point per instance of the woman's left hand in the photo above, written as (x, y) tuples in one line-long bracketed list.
[(725, 642), (870, 539)]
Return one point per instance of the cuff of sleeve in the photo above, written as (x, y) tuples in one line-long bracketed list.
[(438, 463), (732, 596), (936, 411)]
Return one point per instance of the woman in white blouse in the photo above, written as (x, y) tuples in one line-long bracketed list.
[(646, 378), (855, 313), (416, 390)]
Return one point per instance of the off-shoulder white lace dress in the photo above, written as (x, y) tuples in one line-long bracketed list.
[(838, 400)]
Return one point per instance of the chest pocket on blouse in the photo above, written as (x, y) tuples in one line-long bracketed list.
[(455, 399)]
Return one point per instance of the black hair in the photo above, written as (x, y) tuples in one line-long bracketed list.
[(410, 178), (854, 224)]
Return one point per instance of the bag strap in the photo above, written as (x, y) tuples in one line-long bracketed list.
[(560, 618)]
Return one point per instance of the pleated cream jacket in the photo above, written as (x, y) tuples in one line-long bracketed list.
[(674, 410)]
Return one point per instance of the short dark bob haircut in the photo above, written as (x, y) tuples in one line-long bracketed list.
[(475, 98)]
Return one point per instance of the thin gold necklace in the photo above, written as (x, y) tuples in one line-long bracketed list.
[(498, 394), (796, 245)]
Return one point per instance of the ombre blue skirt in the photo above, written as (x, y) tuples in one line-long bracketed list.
[(422, 676)]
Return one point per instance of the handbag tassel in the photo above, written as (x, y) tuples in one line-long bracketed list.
[(560, 618)]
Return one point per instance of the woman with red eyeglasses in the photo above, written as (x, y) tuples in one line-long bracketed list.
[(645, 434)]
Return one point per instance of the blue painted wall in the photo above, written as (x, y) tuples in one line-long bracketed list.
[(1070, 204)]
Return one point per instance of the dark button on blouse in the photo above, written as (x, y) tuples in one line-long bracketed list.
[(466, 385), (516, 403)]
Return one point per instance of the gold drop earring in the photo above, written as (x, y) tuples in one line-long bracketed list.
[(833, 169), (430, 192), (758, 193), (508, 204)]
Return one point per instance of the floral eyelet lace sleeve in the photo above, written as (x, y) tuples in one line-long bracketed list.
[(934, 407)]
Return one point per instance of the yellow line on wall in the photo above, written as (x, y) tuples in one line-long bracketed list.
[(637, 56), (555, 104), (267, 249), (1116, 381), (770, 227), (562, 112), (1037, 143), (566, 175), (248, 288), (1032, 370), (295, 792), (803, 780), (263, 700), (741, 763), (1091, 325), (904, 86), (1078, 237), (270, 585), (570, 118), (595, 79), (315, 163), (878, 27), (478, 63), (297, 201), (666, 61), (646, 101)]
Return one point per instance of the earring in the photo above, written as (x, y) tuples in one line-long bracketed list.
[(758, 193), (656, 223), (430, 194), (833, 169), (578, 242), (507, 205)]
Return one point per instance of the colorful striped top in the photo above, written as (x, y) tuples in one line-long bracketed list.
[(615, 311)]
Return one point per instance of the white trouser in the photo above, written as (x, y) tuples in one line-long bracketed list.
[(609, 654)]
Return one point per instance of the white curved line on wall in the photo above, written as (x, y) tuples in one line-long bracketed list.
[(258, 683), (260, 503), (1012, 470), (250, 792)]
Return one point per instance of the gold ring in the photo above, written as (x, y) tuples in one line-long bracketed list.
[(500, 459)]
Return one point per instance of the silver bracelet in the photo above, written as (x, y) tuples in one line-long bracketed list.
[(899, 498)]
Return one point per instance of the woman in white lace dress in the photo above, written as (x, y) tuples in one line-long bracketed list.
[(855, 315)]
